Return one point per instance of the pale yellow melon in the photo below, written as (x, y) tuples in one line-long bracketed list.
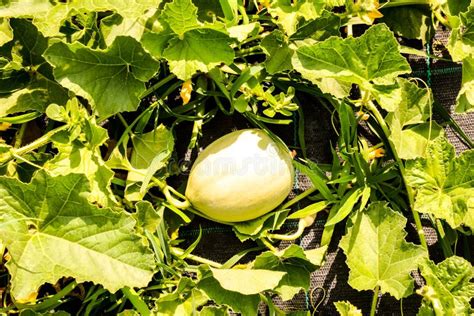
[(240, 176)]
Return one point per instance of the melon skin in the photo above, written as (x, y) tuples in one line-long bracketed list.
[(240, 176)]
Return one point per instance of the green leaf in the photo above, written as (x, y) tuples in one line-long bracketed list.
[(297, 265), (155, 41), (245, 304), (247, 281), (49, 17), (21, 88), (412, 142), (6, 32), (79, 152), (309, 210), (345, 308), (278, 52), (454, 7), (184, 300), (288, 13), (112, 80), (181, 15), (147, 217), (259, 227), (327, 25), (410, 22), (448, 289), (213, 311), (242, 32), (151, 152), (52, 231), (199, 50), (408, 105), (115, 25), (377, 253), (371, 58), (461, 40), (443, 183), (465, 100), (406, 102)]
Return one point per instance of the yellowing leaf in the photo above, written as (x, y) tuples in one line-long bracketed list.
[(186, 90)]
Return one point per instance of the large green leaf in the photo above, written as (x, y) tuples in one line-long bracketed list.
[(377, 253), (296, 263), (112, 80), (49, 17), (52, 231), (444, 183), (448, 289), (199, 50), (26, 82), (372, 58)]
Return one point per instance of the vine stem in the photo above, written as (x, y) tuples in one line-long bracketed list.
[(39, 142), (298, 198), (374, 300), (416, 217), (157, 85), (179, 252)]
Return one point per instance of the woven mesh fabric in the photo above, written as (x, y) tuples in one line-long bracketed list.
[(329, 283)]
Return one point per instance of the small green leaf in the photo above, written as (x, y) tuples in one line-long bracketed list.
[(147, 217), (52, 231), (181, 15), (461, 40), (112, 80), (278, 52), (242, 32), (345, 308), (151, 152), (465, 100), (259, 227), (247, 281), (6, 32), (377, 253), (310, 210), (327, 25), (449, 288), (443, 183), (296, 263), (346, 205), (288, 13), (199, 50), (245, 304), (184, 300)]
